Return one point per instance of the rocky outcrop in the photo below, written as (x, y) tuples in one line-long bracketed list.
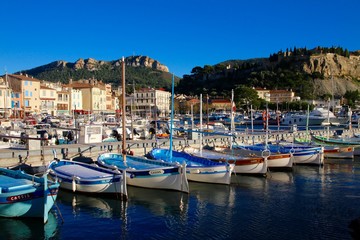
[(134, 61), (137, 61), (334, 65), (341, 74)]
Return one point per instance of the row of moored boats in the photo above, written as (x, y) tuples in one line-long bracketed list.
[(25, 195)]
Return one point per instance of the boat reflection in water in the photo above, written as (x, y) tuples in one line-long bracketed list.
[(28, 228), (218, 195), (309, 202), (98, 207), (158, 202)]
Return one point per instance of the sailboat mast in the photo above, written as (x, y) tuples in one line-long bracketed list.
[(172, 117), (201, 127), (123, 106), (6, 96), (232, 117)]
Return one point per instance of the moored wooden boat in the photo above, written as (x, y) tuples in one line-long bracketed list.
[(86, 178), (330, 150), (142, 172), (299, 155), (335, 141), (242, 164), (274, 159), (24, 195), (338, 152), (197, 169)]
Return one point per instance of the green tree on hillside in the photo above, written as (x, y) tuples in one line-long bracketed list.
[(246, 96)]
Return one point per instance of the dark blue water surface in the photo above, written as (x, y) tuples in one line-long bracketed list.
[(307, 203)]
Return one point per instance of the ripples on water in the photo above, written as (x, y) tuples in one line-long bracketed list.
[(306, 203)]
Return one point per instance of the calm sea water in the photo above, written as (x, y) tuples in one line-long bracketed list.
[(307, 203)]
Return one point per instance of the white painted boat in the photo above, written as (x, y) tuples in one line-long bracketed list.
[(274, 159), (339, 152), (86, 178), (242, 164), (146, 173), (301, 154), (197, 169)]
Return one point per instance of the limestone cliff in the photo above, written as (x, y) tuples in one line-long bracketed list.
[(333, 65), (134, 61), (340, 73)]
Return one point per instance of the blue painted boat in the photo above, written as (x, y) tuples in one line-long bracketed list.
[(142, 172), (300, 155), (24, 195), (197, 169), (86, 178)]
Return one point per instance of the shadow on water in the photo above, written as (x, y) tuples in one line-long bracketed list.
[(355, 228), (28, 228)]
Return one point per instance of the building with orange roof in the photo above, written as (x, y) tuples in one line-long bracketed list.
[(26, 92), (93, 94)]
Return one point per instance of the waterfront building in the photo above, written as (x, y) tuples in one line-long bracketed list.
[(48, 98), (148, 101), (76, 100), (110, 103), (93, 94), (220, 105), (63, 101), (279, 96), (276, 96), (26, 91), (5, 98)]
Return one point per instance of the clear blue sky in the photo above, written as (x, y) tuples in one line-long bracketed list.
[(180, 34)]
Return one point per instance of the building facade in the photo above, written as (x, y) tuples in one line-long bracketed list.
[(147, 102)]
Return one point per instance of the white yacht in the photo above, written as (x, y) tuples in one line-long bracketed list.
[(318, 116)]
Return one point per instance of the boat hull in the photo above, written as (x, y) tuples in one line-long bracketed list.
[(274, 160), (84, 178), (23, 195), (151, 174), (197, 169), (339, 152), (242, 164), (309, 157)]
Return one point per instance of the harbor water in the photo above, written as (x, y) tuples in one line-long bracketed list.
[(309, 202)]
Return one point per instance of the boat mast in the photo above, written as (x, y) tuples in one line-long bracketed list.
[(6, 96), (123, 105), (307, 119), (232, 127), (172, 117), (201, 127)]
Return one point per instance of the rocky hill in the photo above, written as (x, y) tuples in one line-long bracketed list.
[(310, 73), (340, 73), (140, 70)]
